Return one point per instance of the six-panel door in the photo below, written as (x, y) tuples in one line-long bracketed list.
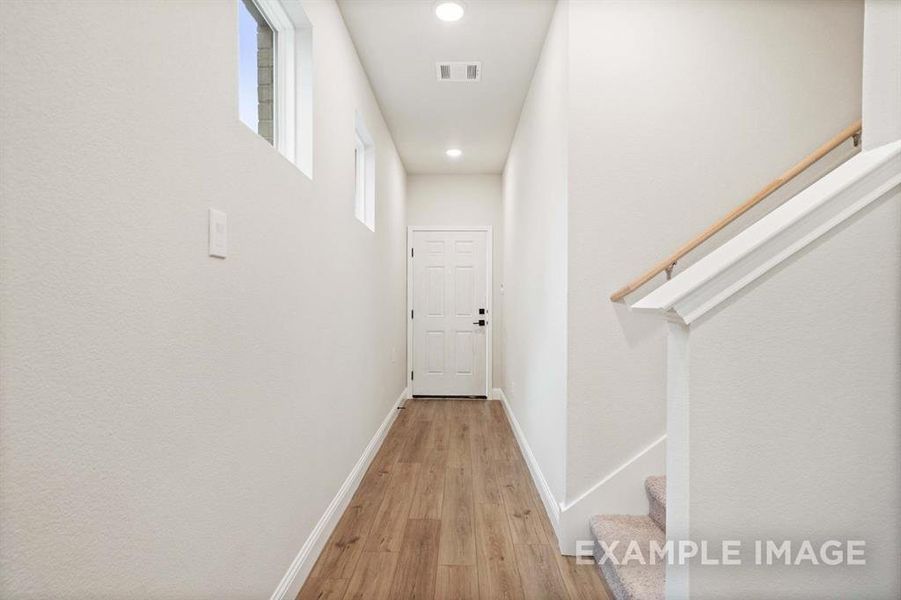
[(449, 287)]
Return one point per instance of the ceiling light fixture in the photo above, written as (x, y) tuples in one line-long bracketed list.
[(454, 152), (449, 11)]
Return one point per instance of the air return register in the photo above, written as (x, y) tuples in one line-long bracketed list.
[(459, 71)]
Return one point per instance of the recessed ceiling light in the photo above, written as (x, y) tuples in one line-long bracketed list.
[(454, 152), (449, 11)]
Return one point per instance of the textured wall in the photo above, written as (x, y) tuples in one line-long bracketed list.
[(678, 112), (466, 201), (794, 415), (535, 260), (173, 425), (882, 73)]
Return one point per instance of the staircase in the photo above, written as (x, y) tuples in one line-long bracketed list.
[(634, 581)]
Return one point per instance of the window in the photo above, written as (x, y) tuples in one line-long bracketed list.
[(364, 174), (256, 40), (359, 178), (275, 76)]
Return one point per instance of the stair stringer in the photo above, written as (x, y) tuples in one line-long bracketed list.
[(620, 492)]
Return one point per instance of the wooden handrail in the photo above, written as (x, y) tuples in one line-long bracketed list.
[(666, 264)]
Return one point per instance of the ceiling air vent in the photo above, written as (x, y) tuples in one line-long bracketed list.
[(459, 71)]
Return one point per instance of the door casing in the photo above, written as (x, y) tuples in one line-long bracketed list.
[(489, 376)]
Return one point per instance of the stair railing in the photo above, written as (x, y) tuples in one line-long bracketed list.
[(667, 265)]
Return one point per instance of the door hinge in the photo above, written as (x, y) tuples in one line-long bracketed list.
[(411, 314), (412, 252), (411, 375)]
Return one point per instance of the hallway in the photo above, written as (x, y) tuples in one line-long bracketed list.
[(448, 510), (420, 299)]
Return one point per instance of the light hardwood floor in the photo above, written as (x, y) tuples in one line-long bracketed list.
[(447, 510)]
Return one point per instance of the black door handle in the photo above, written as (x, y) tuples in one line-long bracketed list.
[(480, 322)]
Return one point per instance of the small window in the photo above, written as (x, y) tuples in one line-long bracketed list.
[(364, 174), (275, 76), (256, 100)]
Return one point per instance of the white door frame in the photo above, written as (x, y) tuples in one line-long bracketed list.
[(488, 302)]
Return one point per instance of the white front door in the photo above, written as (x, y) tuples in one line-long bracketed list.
[(449, 283)]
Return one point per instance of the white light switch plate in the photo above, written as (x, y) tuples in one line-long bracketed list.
[(218, 233)]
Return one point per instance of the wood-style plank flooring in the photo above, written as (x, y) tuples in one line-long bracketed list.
[(447, 510)]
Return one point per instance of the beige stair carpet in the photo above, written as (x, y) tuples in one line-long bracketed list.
[(633, 579)]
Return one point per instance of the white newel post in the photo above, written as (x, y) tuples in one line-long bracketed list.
[(677, 456)]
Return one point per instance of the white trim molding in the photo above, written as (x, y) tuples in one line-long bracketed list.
[(808, 215), (620, 492), (293, 77), (284, 72), (300, 568), (544, 490), (679, 451)]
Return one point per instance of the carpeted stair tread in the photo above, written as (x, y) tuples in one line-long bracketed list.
[(631, 581), (655, 486)]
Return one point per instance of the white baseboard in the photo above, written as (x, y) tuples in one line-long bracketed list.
[(544, 490), (620, 492), (300, 568)]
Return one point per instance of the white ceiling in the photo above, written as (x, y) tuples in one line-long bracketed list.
[(399, 42)]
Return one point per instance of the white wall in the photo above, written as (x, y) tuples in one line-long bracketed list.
[(466, 201), (678, 112), (535, 260), (882, 73), (794, 415), (169, 419)]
